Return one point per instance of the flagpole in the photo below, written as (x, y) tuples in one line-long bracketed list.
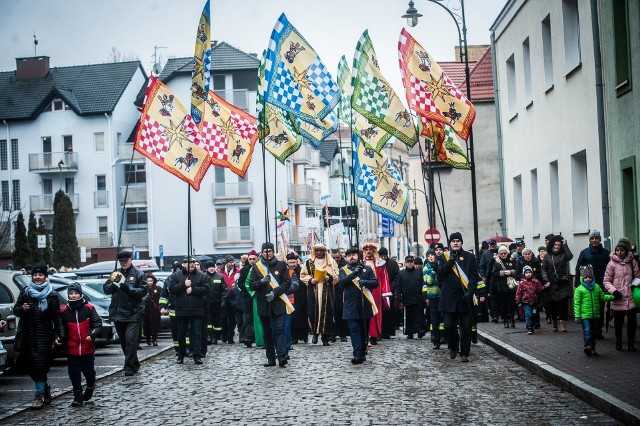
[(353, 183), (275, 197), (344, 184), (264, 172), (124, 205), (189, 242)]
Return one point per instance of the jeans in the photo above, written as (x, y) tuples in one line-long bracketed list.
[(586, 333), (530, 314), (358, 332), (463, 341), (273, 330), (39, 387), (194, 325), (129, 334), (81, 364)]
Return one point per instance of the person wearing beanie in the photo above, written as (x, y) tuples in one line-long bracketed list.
[(82, 326), (459, 278), (527, 294), (228, 315), (392, 317), (555, 272), (251, 329), (431, 289), (152, 315), (409, 293), (528, 259), (270, 281), (215, 299), (586, 307), (598, 257), (620, 272), (342, 330), (299, 319), (485, 266), (38, 308), (503, 277)]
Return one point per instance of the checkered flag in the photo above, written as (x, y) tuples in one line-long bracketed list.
[(324, 86), (151, 139), (285, 92), (367, 183), (373, 99)]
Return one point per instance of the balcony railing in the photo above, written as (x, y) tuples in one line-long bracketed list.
[(48, 162), (238, 97), (125, 150), (240, 192), (136, 195), (234, 236), (306, 155), (44, 203), (301, 194), (99, 240), (140, 239), (100, 198)]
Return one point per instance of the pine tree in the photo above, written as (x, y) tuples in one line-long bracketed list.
[(32, 236), (46, 252), (21, 254), (65, 242)]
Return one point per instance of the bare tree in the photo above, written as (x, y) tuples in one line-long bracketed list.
[(116, 56)]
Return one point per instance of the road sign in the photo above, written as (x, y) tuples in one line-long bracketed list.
[(161, 252), (387, 226), (42, 241), (432, 236)]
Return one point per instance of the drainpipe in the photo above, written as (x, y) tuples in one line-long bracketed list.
[(602, 140), (114, 192), (496, 93), (10, 207)]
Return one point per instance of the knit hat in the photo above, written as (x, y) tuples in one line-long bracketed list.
[(527, 250), (586, 271), (456, 236), (418, 261), (527, 268), (292, 256), (383, 251), (549, 237), (267, 246), (430, 252), (41, 268), (438, 246), (503, 248), (209, 264), (624, 245), (595, 234), (74, 287), (252, 253), (540, 248), (519, 242)]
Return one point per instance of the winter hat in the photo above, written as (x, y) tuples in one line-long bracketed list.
[(512, 246), (624, 245), (549, 237), (456, 236), (267, 246), (540, 248), (430, 252), (209, 264), (586, 271), (383, 251), (595, 234), (418, 261), (74, 287), (41, 268), (527, 250), (409, 258), (526, 268), (438, 246), (252, 253), (292, 256), (351, 250), (484, 245), (503, 248), (124, 255)]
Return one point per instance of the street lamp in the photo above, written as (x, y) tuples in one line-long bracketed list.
[(60, 164), (412, 17)]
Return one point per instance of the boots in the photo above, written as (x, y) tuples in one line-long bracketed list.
[(77, 398), (47, 394), (88, 392), (631, 347), (38, 403), (618, 345), (554, 325), (513, 323), (563, 326), (506, 323)]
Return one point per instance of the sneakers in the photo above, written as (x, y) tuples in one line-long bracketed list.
[(587, 350), (464, 358), (180, 359), (197, 360), (77, 398), (530, 331), (282, 362), (47, 394), (38, 403), (88, 392)]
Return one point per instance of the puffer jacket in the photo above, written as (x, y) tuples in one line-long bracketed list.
[(431, 288), (556, 263), (81, 322), (586, 302), (528, 291), (618, 276), (126, 298)]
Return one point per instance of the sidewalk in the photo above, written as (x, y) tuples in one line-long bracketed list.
[(608, 382)]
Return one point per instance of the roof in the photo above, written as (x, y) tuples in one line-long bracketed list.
[(87, 89), (481, 77), (455, 71), (328, 150)]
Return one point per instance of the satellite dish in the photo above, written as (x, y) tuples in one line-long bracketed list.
[(156, 69)]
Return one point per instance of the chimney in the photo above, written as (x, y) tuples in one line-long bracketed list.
[(31, 68)]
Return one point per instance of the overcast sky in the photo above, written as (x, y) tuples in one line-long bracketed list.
[(75, 32)]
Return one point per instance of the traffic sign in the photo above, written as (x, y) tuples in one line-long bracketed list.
[(161, 251), (432, 236)]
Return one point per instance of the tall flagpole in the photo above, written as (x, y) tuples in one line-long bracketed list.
[(124, 205), (189, 242), (344, 184)]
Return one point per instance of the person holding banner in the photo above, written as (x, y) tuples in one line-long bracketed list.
[(459, 278), (359, 306), (270, 280)]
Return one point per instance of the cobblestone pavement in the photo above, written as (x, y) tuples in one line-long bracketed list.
[(402, 382)]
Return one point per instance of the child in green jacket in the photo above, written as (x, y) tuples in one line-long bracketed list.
[(586, 307)]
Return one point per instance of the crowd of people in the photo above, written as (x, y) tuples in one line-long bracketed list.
[(276, 301)]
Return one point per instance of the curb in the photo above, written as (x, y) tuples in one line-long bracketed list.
[(61, 392), (598, 399)]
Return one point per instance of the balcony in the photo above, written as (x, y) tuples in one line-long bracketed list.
[(100, 198), (240, 192), (233, 237), (238, 97), (301, 195), (136, 195), (139, 238), (298, 235), (306, 155), (43, 204), (48, 162), (99, 240), (125, 150)]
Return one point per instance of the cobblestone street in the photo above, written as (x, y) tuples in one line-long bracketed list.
[(402, 382)]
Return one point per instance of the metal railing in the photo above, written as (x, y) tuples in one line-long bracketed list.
[(125, 150), (48, 162), (232, 192), (44, 203), (100, 198), (236, 97), (98, 240), (233, 236), (139, 238), (136, 195), (306, 155), (301, 194)]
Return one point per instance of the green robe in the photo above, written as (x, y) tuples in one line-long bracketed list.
[(257, 325)]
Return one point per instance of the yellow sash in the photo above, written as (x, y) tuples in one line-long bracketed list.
[(463, 277), (365, 291), (274, 284)]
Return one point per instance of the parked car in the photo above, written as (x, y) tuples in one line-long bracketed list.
[(104, 269), (3, 357)]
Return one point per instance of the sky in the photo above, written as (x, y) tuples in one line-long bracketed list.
[(74, 32)]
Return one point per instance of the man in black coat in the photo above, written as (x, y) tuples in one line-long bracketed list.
[(127, 287), (393, 317), (247, 330), (484, 269), (217, 296), (190, 287), (270, 280), (357, 279), (409, 291), (341, 325), (459, 278)]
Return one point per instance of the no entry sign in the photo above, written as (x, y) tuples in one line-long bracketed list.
[(432, 236)]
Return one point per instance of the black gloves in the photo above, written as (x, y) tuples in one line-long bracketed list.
[(466, 297), (359, 267), (265, 280), (617, 295), (270, 296), (124, 287)]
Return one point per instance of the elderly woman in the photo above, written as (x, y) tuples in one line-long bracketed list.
[(621, 271), (503, 277), (38, 308), (152, 315), (555, 272)]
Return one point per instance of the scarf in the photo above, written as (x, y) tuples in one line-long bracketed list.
[(40, 292), (590, 286), (76, 304)]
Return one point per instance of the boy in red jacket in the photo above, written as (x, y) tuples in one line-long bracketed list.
[(83, 326), (527, 296)]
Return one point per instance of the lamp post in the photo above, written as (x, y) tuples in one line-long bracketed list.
[(60, 164), (412, 16)]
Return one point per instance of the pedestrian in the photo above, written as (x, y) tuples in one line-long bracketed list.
[(528, 259), (294, 268), (248, 321), (341, 325), (504, 278), (168, 306), (152, 315), (127, 287), (459, 277), (485, 268), (431, 290), (358, 280), (392, 317), (270, 280), (527, 294), (555, 271), (40, 327), (216, 298), (586, 307), (409, 292), (228, 316), (320, 273), (190, 287), (621, 271), (82, 326), (299, 317), (381, 293)]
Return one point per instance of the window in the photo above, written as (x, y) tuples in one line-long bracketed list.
[(16, 193), (5, 295), (243, 186), (518, 211), (571, 25), (554, 187), (511, 86), (118, 138), (69, 186), (15, 161), (136, 218), (218, 82), (98, 141), (46, 151), (101, 183), (526, 65), (630, 198), (245, 225), (547, 52), (580, 192), (244, 218), (100, 199), (47, 186), (103, 227), (5, 196), (135, 173), (345, 191), (535, 206), (221, 218), (67, 143), (621, 43), (4, 161), (219, 174)]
